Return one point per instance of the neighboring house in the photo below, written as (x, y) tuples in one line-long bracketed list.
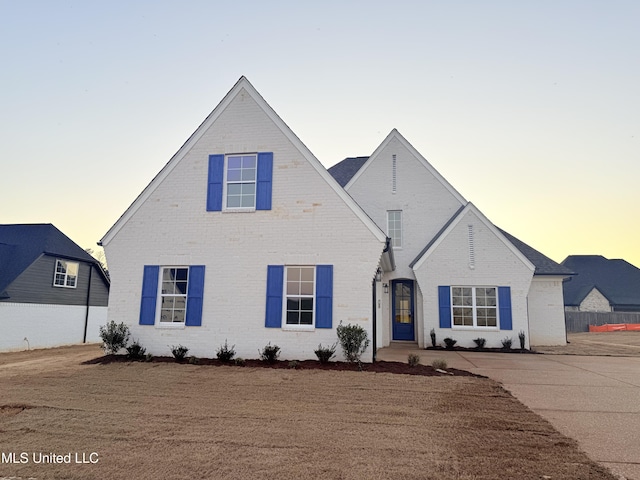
[(601, 285), (456, 273), (245, 237), (52, 292)]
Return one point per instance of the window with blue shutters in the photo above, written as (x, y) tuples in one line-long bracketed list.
[(299, 297), (172, 296), (240, 182), (475, 307)]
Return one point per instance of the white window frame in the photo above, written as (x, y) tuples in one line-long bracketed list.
[(394, 244), (474, 308), (66, 276), (226, 183), (285, 297), (160, 295)]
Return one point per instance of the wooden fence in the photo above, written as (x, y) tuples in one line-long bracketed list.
[(580, 321)]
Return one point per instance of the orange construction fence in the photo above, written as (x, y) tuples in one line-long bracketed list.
[(615, 327)]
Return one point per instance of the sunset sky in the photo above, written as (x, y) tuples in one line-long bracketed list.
[(531, 110)]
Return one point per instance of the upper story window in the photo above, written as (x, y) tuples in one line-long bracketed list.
[(240, 184), (66, 274), (394, 227)]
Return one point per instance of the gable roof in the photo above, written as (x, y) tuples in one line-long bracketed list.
[(617, 280), (395, 135), (23, 244), (345, 170), (453, 222), (243, 84), (544, 265)]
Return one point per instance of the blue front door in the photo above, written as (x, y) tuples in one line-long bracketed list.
[(402, 310)]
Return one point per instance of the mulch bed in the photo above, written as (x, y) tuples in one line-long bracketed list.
[(473, 349), (378, 367)]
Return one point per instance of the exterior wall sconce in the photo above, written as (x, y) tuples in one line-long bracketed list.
[(378, 275), (386, 287)]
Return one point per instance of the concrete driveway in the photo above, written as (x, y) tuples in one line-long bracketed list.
[(593, 399)]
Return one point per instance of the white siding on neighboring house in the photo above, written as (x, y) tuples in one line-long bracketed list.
[(595, 302), (33, 325), (309, 224), (546, 311), (495, 265)]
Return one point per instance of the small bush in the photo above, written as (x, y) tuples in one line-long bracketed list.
[(114, 337), (148, 357), (325, 354), (506, 343), (240, 362), (450, 343), (480, 342), (413, 359), (432, 333), (269, 353), (179, 352), (439, 364), (194, 360), (521, 337), (293, 364), (135, 351), (353, 340), (225, 353)]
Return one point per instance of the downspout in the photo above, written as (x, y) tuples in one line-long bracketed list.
[(86, 318), (375, 321)]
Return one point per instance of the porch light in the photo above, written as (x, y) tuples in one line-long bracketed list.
[(386, 287), (378, 275)]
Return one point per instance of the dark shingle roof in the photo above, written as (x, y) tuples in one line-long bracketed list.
[(21, 245), (544, 265), (617, 280), (346, 169)]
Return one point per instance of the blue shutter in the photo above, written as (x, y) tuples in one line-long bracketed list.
[(444, 305), (195, 294), (214, 188), (504, 301), (149, 295), (324, 296), (273, 316), (263, 186)]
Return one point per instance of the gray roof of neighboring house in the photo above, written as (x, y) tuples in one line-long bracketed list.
[(345, 170), (617, 280), (21, 245)]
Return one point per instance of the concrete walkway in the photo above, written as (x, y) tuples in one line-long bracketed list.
[(593, 399)]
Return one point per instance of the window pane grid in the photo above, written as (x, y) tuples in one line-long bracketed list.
[(241, 181), (300, 295), (173, 295), (394, 223), (474, 306), (66, 274)]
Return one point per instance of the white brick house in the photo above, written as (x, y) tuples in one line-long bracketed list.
[(244, 236)]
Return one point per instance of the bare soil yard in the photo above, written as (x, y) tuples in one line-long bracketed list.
[(165, 420), (615, 344)]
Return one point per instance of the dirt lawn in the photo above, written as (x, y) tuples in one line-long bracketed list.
[(170, 421), (615, 344)]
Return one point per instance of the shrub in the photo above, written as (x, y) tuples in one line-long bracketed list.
[(432, 333), (240, 362), (439, 364), (135, 351), (148, 357), (293, 364), (179, 352), (413, 359), (269, 353), (506, 343), (521, 337), (325, 354), (480, 342), (353, 340), (114, 337), (225, 353), (194, 360), (450, 343)]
